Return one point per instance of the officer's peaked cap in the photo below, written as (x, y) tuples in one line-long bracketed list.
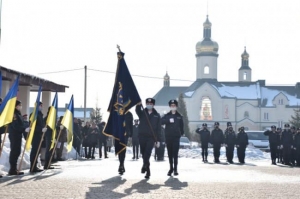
[(173, 101), (150, 100)]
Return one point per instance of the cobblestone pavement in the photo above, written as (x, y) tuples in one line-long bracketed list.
[(99, 179)]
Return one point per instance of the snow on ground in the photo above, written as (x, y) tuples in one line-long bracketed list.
[(252, 153)]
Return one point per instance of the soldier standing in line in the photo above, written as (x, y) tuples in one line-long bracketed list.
[(48, 141), (217, 139), (16, 131), (135, 139), (286, 144), (241, 144), (38, 132), (297, 146), (102, 140), (173, 131), (273, 141), (279, 149), (230, 142), (204, 138), (293, 151), (148, 135)]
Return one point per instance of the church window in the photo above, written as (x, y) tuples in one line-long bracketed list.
[(205, 111), (280, 101), (280, 122), (246, 114), (245, 76), (206, 70)]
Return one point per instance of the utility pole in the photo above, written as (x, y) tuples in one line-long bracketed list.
[(85, 80)]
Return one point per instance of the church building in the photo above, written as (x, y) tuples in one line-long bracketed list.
[(251, 104)]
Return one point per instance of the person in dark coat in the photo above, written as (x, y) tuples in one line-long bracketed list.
[(102, 140), (297, 146), (48, 142), (76, 136), (85, 131), (217, 139), (92, 136), (135, 139), (148, 135), (128, 132), (16, 130), (273, 141), (279, 149), (173, 131), (38, 132), (293, 151), (230, 142), (204, 139), (241, 144), (286, 144)]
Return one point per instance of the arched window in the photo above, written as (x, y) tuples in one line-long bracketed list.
[(245, 76), (205, 111), (246, 114), (206, 69)]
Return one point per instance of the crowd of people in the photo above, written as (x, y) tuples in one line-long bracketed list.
[(148, 131)]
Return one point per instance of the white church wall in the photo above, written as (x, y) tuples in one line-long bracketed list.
[(211, 62)]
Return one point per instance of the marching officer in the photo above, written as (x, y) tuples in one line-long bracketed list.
[(286, 143), (204, 138), (173, 122), (230, 141), (217, 139), (148, 135), (279, 149), (241, 144), (135, 139), (297, 146), (16, 130), (273, 141)]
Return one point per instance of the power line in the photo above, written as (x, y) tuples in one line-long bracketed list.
[(62, 71), (143, 76)]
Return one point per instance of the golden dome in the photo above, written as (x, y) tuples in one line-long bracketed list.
[(207, 45)]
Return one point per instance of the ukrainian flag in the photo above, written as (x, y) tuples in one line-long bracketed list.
[(32, 120), (67, 122), (51, 119), (8, 105), (124, 96)]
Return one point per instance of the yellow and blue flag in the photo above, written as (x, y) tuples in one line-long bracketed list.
[(68, 122), (51, 119), (32, 120), (124, 96), (8, 105)]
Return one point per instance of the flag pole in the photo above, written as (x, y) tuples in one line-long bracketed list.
[(2, 144), (37, 153), (21, 161), (49, 163)]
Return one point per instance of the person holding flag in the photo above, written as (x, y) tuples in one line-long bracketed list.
[(16, 130), (149, 132), (50, 120), (37, 137), (124, 97)]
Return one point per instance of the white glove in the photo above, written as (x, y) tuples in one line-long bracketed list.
[(27, 129), (225, 145), (157, 144), (237, 146), (281, 146), (294, 148), (61, 127), (44, 130)]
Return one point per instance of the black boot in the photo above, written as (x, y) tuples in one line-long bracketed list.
[(121, 169), (170, 171), (147, 176), (175, 171), (14, 171), (143, 170)]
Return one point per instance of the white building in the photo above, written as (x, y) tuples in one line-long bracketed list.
[(248, 103)]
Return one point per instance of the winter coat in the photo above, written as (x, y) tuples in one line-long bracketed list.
[(273, 137), (287, 138), (230, 137), (175, 129), (217, 137), (204, 136), (242, 139)]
